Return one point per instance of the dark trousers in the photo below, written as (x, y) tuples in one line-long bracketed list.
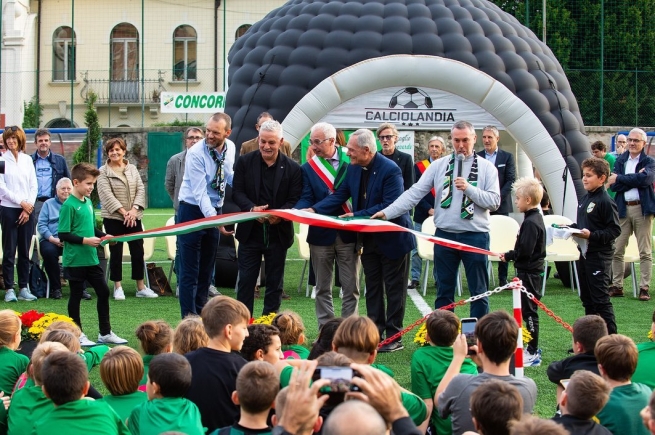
[(385, 275), (50, 253), (446, 261), (15, 237), (594, 272), (197, 259), (532, 283), (96, 278), (249, 260), (118, 228)]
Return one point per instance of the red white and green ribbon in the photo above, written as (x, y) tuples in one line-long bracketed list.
[(362, 225)]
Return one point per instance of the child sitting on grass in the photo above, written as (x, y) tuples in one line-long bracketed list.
[(262, 344), (65, 382), (12, 364), (257, 387), (429, 364), (29, 404), (166, 410), (92, 355), (189, 335), (323, 342), (292, 335), (121, 370), (646, 362), (495, 405), (155, 337)]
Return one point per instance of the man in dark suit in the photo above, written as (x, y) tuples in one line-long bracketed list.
[(321, 176), (504, 163), (265, 179), (388, 136), (373, 182)]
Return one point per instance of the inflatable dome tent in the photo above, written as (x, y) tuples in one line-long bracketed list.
[(308, 58)]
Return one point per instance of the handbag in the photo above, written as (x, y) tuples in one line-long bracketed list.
[(38, 281), (158, 280)]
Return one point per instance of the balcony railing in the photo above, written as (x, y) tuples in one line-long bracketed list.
[(135, 91)]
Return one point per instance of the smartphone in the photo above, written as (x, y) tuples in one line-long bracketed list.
[(468, 329), (340, 379)]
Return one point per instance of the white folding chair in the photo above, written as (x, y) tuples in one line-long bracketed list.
[(561, 250), (425, 251), (303, 252), (171, 247), (502, 237), (632, 256)]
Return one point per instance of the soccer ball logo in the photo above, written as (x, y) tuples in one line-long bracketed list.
[(410, 98)]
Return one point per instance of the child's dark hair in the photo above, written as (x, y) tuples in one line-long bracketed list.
[(259, 337), (64, 377), (172, 372), (82, 171), (121, 370), (323, 342), (498, 333), (598, 166), (155, 336), (290, 326), (257, 386), (599, 145), (495, 404), (617, 354), (442, 327), (221, 311), (587, 393), (545, 200), (587, 330)]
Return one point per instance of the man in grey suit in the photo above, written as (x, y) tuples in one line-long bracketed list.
[(504, 163)]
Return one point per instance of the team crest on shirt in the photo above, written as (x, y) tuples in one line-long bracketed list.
[(590, 207)]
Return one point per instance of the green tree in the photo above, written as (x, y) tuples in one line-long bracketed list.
[(86, 151), (32, 114)]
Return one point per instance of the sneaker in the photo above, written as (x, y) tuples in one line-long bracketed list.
[(84, 341), (177, 291), (55, 294), (285, 296), (86, 295), (25, 295), (144, 293), (341, 293), (313, 296), (111, 338), (413, 284), (10, 296), (119, 294), (213, 292), (531, 360), (391, 347), (615, 292), (643, 295)]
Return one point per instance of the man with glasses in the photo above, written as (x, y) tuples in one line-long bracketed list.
[(621, 143), (388, 136), (321, 176), (208, 168), (253, 144), (632, 180)]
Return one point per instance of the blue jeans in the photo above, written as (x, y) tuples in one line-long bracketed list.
[(417, 263), (446, 261), (197, 252)]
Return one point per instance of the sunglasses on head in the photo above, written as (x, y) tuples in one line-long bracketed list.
[(12, 128)]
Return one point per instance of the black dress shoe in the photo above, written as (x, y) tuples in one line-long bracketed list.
[(391, 347), (414, 284), (86, 296), (55, 294), (285, 296)]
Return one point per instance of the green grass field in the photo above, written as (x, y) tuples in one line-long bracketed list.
[(633, 316)]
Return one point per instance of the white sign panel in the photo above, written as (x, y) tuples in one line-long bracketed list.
[(406, 142), (192, 102), (409, 107)]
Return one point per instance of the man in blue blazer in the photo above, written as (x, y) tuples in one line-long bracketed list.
[(372, 183), (321, 176), (504, 163)]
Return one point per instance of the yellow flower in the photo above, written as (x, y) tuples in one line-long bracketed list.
[(39, 326), (650, 335), (421, 336), (526, 335), (264, 320)]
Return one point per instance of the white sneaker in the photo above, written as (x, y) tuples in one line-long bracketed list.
[(531, 360), (25, 295), (84, 341), (111, 338), (313, 292), (144, 293), (10, 296), (341, 293), (119, 294), (213, 292)]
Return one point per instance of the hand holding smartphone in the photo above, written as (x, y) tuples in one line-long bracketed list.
[(468, 329)]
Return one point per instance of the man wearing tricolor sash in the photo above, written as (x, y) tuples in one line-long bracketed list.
[(321, 176), (466, 188), (425, 208)]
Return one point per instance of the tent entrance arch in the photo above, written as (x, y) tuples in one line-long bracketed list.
[(450, 76)]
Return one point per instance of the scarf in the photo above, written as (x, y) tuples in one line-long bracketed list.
[(468, 207), (218, 183)]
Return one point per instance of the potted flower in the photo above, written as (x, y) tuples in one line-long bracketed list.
[(34, 323)]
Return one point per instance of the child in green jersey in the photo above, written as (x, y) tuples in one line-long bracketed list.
[(121, 370)]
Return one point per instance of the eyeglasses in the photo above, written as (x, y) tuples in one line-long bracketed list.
[(194, 138), (387, 137), (317, 142), (634, 140)]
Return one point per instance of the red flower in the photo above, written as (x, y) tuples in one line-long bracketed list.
[(29, 317)]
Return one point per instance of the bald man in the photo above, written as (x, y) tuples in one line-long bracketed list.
[(354, 417)]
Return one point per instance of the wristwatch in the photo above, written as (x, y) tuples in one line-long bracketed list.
[(136, 207)]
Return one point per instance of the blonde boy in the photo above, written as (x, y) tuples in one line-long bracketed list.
[(528, 257), (121, 371)]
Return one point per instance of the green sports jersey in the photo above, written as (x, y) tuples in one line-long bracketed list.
[(645, 373), (28, 405), (146, 367), (12, 365), (174, 414), (81, 417), (125, 404), (301, 351), (76, 217)]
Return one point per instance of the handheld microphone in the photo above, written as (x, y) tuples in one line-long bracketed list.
[(460, 158)]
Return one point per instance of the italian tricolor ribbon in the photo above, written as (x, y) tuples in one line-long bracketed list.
[(422, 166), (330, 176), (363, 225)]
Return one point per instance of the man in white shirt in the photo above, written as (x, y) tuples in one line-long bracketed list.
[(632, 180)]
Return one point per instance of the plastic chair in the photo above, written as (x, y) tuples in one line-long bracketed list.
[(303, 252), (561, 250), (502, 238), (632, 256), (171, 247), (425, 251)]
